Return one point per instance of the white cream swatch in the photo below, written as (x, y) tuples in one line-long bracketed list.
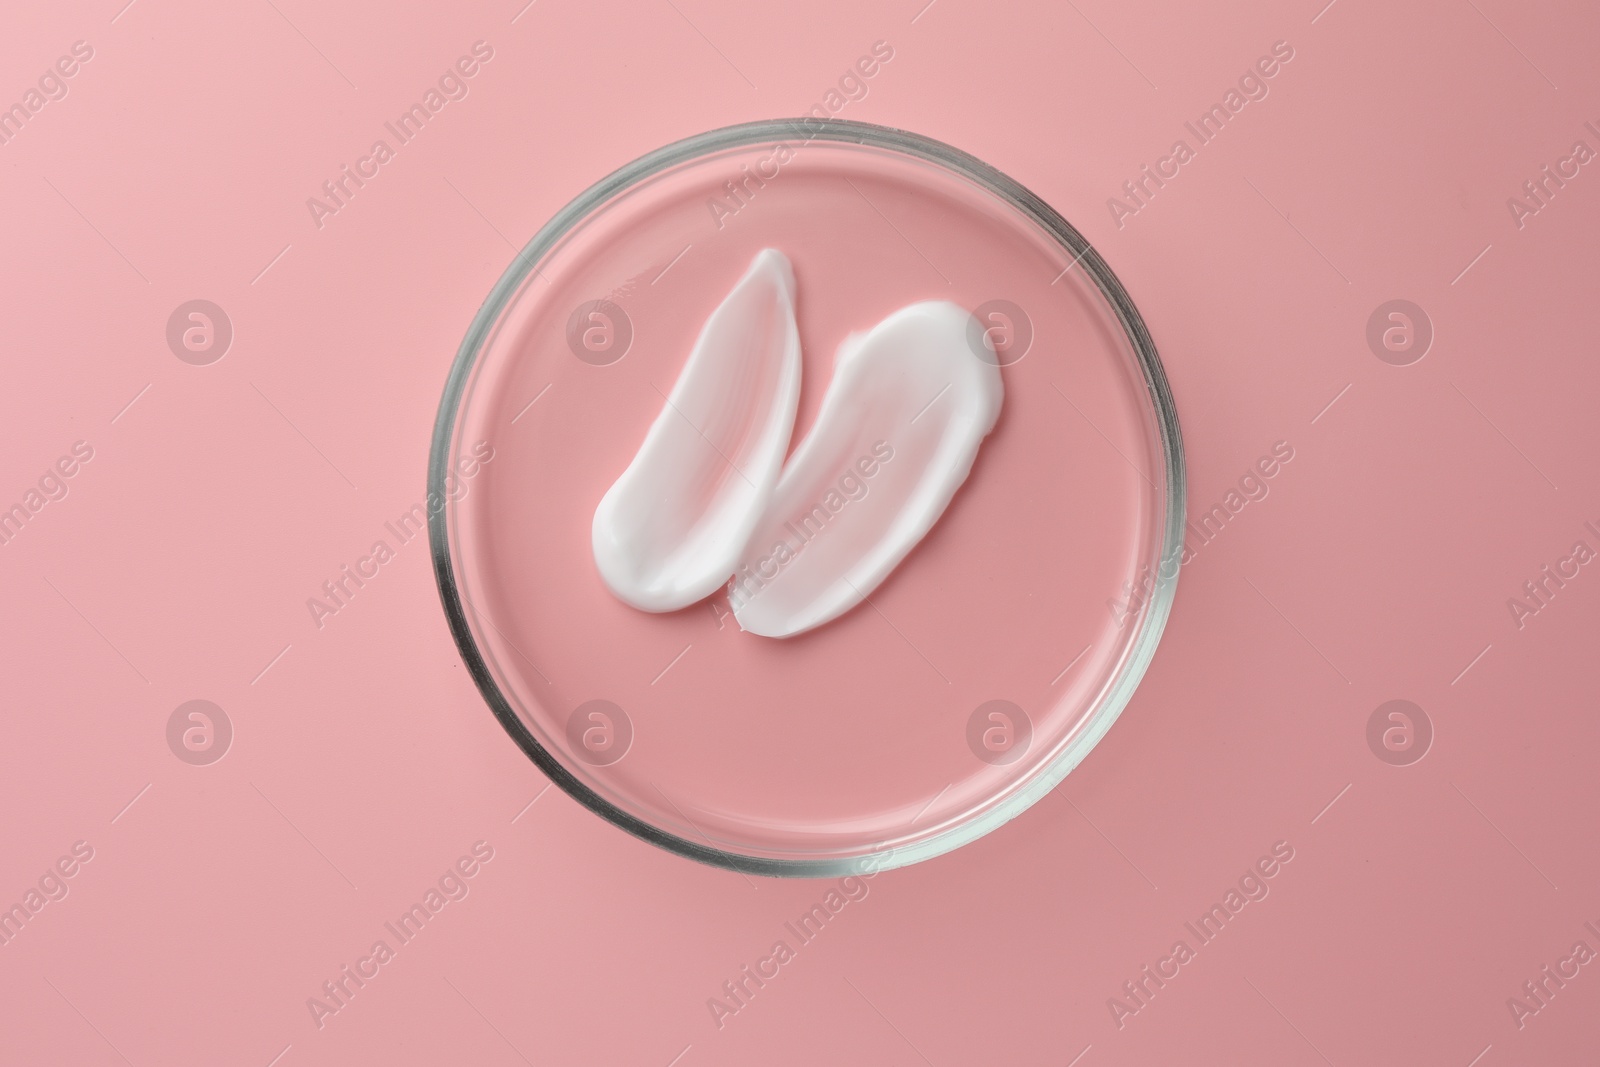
[(671, 529), (897, 433)]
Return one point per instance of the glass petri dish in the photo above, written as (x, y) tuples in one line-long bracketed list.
[(977, 675)]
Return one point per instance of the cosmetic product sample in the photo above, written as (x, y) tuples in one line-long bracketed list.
[(909, 403), (1009, 600), (670, 530)]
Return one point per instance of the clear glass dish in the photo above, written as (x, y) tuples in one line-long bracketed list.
[(977, 676)]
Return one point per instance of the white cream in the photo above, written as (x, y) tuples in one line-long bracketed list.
[(896, 436), (672, 528)]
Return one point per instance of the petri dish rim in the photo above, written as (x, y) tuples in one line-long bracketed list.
[(1141, 648)]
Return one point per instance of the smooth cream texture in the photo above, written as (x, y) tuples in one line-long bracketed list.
[(708, 494), (672, 528), (897, 433)]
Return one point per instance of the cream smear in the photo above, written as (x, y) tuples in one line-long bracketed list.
[(899, 428), (672, 528), (897, 433)]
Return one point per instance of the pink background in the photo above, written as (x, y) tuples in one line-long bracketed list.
[(363, 764)]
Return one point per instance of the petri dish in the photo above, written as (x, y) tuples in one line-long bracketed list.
[(977, 675)]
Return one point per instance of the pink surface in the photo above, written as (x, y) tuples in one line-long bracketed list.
[(209, 901)]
